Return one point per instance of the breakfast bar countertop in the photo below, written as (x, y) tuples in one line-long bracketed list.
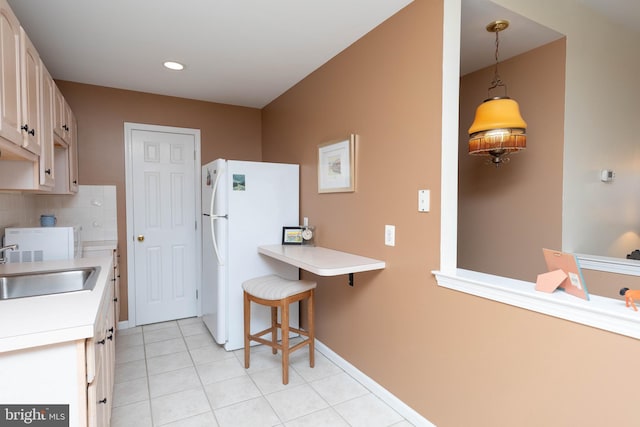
[(321, 261)]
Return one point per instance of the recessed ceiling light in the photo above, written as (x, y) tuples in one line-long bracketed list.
[(172, 65)]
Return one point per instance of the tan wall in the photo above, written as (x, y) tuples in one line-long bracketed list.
[(506, 215), (608, 284), (457, 359), (225, 131)]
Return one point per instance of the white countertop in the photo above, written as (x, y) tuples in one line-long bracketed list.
[(36, 321), (321, 261)]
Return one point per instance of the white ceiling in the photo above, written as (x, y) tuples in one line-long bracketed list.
[(477, 45), (243, 52), (239, 52)]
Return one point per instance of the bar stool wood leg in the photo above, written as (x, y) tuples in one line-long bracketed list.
[(274, 329), (247, 328), (275, 292), (284, 313), (311, 328)]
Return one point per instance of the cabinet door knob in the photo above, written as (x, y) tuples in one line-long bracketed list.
[(110, 337), (103, 400), (25, 128), (47, 171), (101, 342)]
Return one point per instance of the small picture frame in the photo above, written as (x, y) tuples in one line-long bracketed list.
[(336, 166), (292, 235)]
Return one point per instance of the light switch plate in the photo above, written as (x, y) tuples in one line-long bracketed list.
[(424, 200)]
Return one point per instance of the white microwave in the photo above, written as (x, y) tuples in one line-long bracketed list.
[(43, 243)]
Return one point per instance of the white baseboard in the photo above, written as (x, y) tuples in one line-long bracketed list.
[(123, 325), (383, 394)]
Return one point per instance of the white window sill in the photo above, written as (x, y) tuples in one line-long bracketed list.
[(599, 312)]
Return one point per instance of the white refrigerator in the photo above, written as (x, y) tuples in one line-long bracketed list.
[(245, 205)]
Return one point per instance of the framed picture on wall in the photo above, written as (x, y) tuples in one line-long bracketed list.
[(336, 166)]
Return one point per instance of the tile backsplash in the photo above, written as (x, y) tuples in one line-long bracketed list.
[(16, 209), (93, 208)]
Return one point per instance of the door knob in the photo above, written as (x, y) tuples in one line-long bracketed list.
[(140, 238)]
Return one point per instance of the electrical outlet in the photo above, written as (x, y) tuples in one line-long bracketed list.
[(390, 235)]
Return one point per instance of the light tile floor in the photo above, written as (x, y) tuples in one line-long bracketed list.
[(174, 374)]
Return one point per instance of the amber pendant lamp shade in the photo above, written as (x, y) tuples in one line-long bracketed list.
[(498, 129)]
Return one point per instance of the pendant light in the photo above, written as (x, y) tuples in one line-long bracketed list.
[(498, 128)]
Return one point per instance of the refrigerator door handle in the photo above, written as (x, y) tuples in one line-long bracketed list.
[(214, 217), (213, 239), (214, 190)]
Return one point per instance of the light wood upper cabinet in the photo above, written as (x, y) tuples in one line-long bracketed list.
[(46, 169), (65, 129), (30, 89), (38, 131), (10, 107), (66, 162), (73, 154), (62, 120), (37, 173)]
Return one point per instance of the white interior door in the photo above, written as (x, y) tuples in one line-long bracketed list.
[(164, 220)]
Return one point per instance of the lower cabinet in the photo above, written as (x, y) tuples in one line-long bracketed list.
[(76, 373), (100, 363), (53, 374), (99, 249), (93, 250)]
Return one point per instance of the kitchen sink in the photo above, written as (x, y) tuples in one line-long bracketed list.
[(22, 285)]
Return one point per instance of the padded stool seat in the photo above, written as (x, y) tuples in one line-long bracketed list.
[(274, 287), (274, 291)]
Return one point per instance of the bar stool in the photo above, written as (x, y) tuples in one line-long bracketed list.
[(274, 291)]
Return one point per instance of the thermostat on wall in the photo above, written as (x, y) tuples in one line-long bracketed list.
[(607, 175)]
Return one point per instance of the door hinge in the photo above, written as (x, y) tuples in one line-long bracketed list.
[(195, 225), (196, 294)]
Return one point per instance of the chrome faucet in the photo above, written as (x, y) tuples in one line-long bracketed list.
[(3, 249)]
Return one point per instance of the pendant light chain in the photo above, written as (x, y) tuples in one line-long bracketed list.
[(497, 80)]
